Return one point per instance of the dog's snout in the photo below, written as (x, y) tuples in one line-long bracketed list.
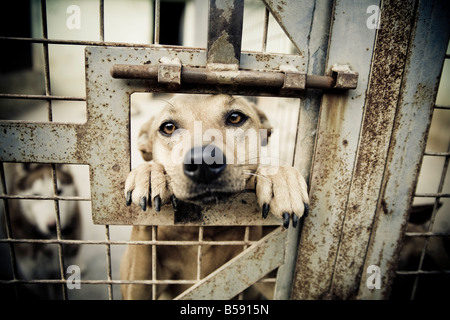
[(51, 226), (204, 164)]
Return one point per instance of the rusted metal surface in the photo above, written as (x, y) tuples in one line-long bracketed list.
[(293, 79), (319, 82), (361, 185), (307, 120), (418, 90), (334, 159), (252, 264), (289, 79), (39, 142), (345, 78), (269, 62), (225, 32), (103, 142), (389, 60), (169, 71), (191, 75), (196, 78), (115, 93), (118, 91), (306, 133)]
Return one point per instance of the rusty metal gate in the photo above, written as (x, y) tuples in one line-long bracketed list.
[(366, 75)]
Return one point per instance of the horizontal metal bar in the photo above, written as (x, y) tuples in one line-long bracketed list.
[(126, 242), (88, 43), (202, 75), (442, 107), (427, 234), (320, 82), (418, 272), (17, 146), (60, 281), (39, 97), (148, 282), (432, 195), (30, 197), (437, 154)]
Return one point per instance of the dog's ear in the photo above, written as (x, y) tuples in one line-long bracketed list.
[(145, 143), (23, 172), (265, 124), (24, 169)]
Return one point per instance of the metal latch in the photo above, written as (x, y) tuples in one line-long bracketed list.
[(293, 79), (171, 72), (344, 77), (222, 70)]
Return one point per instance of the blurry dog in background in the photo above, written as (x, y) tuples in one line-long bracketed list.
[(37, 219)]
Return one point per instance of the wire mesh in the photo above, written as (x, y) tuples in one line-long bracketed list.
[(108, 244), (16, 281), (425, 263)]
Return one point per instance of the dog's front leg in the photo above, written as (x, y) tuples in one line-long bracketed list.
[(283, 192), (148, 184)]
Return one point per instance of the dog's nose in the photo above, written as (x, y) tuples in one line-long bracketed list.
[(204, 166)]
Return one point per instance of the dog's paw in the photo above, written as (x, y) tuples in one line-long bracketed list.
[(147, 185), (283, 192)]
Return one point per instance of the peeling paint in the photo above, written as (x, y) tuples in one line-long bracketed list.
[(222, 50)]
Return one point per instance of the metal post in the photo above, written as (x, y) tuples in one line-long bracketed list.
[(225, 33)]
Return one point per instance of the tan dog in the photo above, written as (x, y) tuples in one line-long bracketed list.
[(202, 149)]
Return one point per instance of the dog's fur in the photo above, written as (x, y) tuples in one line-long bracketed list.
[(283, 191), (36, 219)]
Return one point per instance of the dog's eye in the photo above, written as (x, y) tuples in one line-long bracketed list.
[(167, 128), (236, 118)]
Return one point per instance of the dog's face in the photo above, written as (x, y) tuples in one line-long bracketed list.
[(37, 180), (209, 145)]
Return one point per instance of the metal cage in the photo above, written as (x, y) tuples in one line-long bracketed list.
[(364, 75)]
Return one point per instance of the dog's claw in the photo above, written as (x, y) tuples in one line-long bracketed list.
[(265, 210), (306, 210), (157, 203), (286, 217), (143, 203), (173, 199), (294, 220), (128, 198)]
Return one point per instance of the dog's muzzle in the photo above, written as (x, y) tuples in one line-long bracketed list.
[(204, 164)]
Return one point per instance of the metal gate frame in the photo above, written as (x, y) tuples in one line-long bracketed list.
[(373, 149), (134, 70), (106, 132), (373, 154)]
